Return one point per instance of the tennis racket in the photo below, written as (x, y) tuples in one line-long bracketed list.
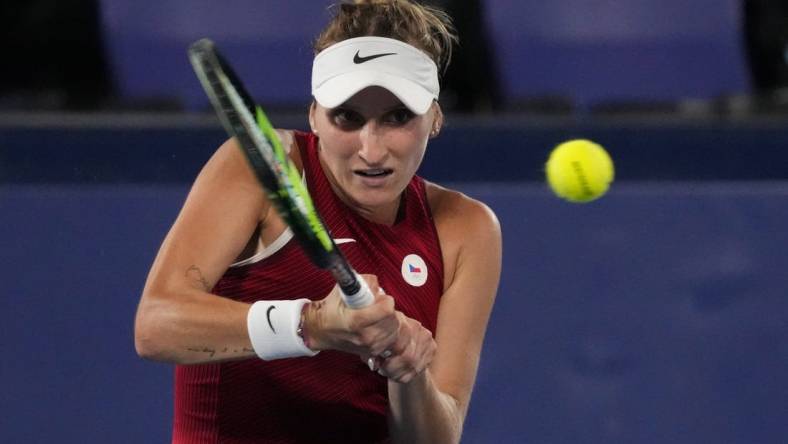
[(258, 140)]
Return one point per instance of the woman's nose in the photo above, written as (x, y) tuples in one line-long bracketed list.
[(373, 149)]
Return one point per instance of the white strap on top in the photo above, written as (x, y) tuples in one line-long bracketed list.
[(267, 251)]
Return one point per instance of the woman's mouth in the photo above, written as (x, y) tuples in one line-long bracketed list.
[(373, 172), (374, 177)]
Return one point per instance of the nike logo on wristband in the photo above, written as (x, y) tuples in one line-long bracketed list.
[(268, 316), (357, 59)]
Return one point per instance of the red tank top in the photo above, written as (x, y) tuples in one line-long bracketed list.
[(332, 397)]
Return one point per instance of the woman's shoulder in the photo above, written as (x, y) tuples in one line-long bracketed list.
[(228, 160), (290, 142), (457, 215)]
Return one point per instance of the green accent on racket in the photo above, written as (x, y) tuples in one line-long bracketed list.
[(292, 180)]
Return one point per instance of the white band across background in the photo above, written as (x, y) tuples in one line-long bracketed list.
[(273, 329), (347, 67)]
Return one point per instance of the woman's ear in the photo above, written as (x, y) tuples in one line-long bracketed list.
[(312, 111), (437, 123)]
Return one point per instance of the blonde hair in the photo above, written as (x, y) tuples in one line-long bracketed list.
[(425, 27)]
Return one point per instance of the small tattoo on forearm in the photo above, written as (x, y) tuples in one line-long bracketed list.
[(195, 273), (211, 352)]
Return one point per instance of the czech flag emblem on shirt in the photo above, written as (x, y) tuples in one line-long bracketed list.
[(414, 270)]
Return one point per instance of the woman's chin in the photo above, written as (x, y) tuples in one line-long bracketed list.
[(374, 199)]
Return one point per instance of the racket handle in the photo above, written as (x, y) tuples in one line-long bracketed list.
[(359, 295)]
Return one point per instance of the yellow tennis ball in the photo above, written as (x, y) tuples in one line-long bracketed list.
[(579, 170)]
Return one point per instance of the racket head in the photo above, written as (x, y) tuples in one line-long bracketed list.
[(261, 146)]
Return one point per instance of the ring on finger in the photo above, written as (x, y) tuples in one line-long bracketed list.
[(386, 354)]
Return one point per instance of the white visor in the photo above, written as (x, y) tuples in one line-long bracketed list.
[(347, 67)]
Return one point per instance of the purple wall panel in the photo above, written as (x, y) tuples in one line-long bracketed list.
[(609, 50), (586, 50)]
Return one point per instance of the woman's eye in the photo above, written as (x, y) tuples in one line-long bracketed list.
[(399, 116), (346, 118)]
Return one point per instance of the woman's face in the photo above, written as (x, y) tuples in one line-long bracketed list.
[(371, 146)]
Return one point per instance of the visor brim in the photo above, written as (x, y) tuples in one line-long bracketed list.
[(339, 89)]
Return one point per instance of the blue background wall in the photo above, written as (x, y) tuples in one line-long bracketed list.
[(657, 314), (500, 149)]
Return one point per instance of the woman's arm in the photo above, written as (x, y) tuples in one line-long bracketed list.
[(178, 319), (432, 407)]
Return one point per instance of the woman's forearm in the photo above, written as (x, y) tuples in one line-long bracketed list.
[(420, 413), (191, 328)]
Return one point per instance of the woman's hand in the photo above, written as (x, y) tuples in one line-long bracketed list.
[(369, 331), (410, 355)]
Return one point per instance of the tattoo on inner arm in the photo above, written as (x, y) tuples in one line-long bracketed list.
[(195, 273), (211, 352)]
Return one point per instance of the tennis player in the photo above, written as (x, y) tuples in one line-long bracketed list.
[(265, 349)]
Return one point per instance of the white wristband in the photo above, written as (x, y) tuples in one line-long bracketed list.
[(273, 329)]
